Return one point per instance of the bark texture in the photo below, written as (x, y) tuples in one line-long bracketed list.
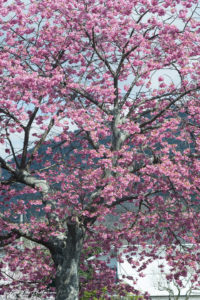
[(66, 256)]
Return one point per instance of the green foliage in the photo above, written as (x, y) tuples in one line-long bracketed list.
[(93, 295), (127, 297)]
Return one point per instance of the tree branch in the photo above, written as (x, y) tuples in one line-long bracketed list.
[(167, 107), (6, 166)]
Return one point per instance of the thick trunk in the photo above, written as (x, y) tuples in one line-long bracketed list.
[(66, 250), (66, 258)]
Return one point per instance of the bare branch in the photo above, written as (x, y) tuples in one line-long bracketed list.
[(27, 136), (98, 53), (12, 148), (36, 148), (86, 95), (167, 107), (7, 113), (6, 166)]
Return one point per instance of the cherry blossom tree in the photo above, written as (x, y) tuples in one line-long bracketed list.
[(104, 97)]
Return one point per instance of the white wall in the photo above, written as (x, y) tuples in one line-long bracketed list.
[(154, 282)]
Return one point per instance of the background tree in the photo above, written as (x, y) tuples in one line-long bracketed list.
[(125, 74)]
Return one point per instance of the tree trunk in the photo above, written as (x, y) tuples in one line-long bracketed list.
[(66, 257), (65, 250)]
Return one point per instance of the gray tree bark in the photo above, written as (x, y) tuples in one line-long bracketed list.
[(66, 256)]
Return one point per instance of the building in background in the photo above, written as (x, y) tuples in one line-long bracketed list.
[(155, 280)]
